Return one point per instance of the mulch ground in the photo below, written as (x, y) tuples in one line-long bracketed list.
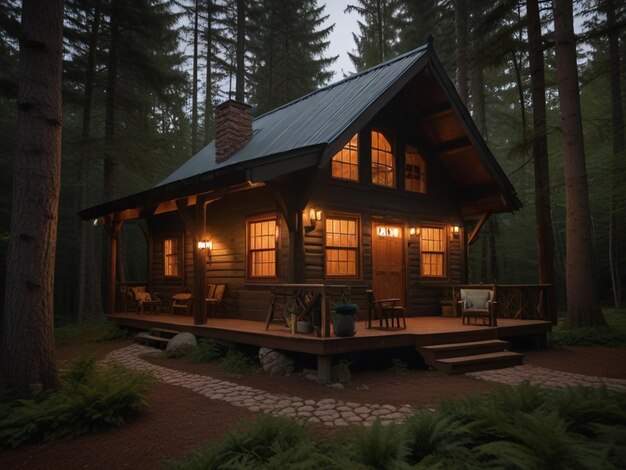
[(180, 420)]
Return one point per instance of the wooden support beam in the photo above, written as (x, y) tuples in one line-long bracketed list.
[(112, 229), (324, 368), (451, 145), (473, 236)]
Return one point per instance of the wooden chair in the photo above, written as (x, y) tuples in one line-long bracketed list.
[(144, 300), (384, 309), (215, 295), (477, 303), (181, 303)]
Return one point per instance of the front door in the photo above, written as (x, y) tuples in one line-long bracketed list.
[(388, 265)]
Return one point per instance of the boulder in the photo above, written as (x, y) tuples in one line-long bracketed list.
[(276, 363), (181, 344)]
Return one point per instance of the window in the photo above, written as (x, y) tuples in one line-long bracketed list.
[(342, 246), (345, 164), (262, 248), (433, 251), (383, 160), (173, 259), (415, 175)]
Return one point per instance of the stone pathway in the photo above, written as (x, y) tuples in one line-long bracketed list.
[(329, 411), (546, 378)]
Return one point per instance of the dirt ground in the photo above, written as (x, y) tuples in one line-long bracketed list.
[(180, 420)]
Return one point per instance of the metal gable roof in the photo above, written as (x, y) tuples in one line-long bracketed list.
[(315, 119)]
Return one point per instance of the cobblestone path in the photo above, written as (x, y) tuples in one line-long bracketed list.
[(329, 411)]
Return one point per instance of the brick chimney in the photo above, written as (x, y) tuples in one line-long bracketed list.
[(233, 128)]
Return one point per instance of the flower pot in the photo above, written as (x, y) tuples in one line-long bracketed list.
[(343, 320), (447, 309), (304, 326)]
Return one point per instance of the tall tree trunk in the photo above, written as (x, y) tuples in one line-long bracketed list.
[(194, 85), (89, 299), (381, 44), (208, 96), (460, 22), (27, 354), (617, 121), (240, 51), (543, 216), (109, 118), (583, 308)]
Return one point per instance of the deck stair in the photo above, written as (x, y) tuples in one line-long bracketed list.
[(156, 337), (458, 358)]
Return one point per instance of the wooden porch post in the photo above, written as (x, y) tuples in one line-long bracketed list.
[(113, 233)]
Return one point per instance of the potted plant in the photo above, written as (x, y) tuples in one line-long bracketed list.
[(447, 302), (344, 313)]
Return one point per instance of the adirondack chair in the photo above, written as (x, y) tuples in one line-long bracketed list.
[(384, 309), (144, 300), (181, 303), (477, 304), (215, 296)]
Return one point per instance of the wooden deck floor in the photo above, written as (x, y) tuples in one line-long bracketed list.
[(420, 331)]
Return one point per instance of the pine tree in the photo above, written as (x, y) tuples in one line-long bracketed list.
[(377, 40), (287, 46)]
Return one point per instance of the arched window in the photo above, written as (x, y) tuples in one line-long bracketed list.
[(383, 160), (345, 163)]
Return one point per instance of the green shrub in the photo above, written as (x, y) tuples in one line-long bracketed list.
[(379, 447), (267, 443), (90, 399), (235, 362), (207, 351), (398, 367), (614, 335), (340, 372)]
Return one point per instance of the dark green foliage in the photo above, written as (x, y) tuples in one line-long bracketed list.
[(266, 443), (89, 400), (614, 335), (235, 362), (398, 367), (340, 372), (380, 447), (207, 350), (90, 331)]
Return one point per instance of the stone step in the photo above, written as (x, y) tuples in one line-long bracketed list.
[(470, 348), (151, 340), (473, 363)]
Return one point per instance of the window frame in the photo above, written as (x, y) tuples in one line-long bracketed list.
[(180, 253), (349, 148), (391, 138), (256, 219), (358, 249), (445, 252), (422, 182)]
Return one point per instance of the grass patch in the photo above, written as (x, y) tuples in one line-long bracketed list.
[(518, 427), (89, 400), (614, 335)]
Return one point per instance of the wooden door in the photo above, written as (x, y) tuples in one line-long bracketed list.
[(388, 265)]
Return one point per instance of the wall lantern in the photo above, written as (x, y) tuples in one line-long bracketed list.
[(315, 215), (414, 231), (455, 230), (383, 231), (205, 245)]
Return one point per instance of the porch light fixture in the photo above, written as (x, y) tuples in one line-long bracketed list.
[(205, 245), (455, 230), (315, 215), (414, 231)]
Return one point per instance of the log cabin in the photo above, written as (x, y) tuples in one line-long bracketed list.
[(379, 181)]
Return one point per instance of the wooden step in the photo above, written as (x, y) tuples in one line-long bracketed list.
[(163, 332), (151, 340), (473, 363), (443, 351)]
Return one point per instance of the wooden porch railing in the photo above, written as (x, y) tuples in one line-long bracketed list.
[(330, 293), (520, 301)]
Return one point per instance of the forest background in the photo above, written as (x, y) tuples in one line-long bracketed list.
[(141, 79)]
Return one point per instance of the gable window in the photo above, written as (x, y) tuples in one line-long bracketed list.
[(383, 160), (173, 256), (262, 247), (342, 246), (345, 163), (433, 251), (415, 173)]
